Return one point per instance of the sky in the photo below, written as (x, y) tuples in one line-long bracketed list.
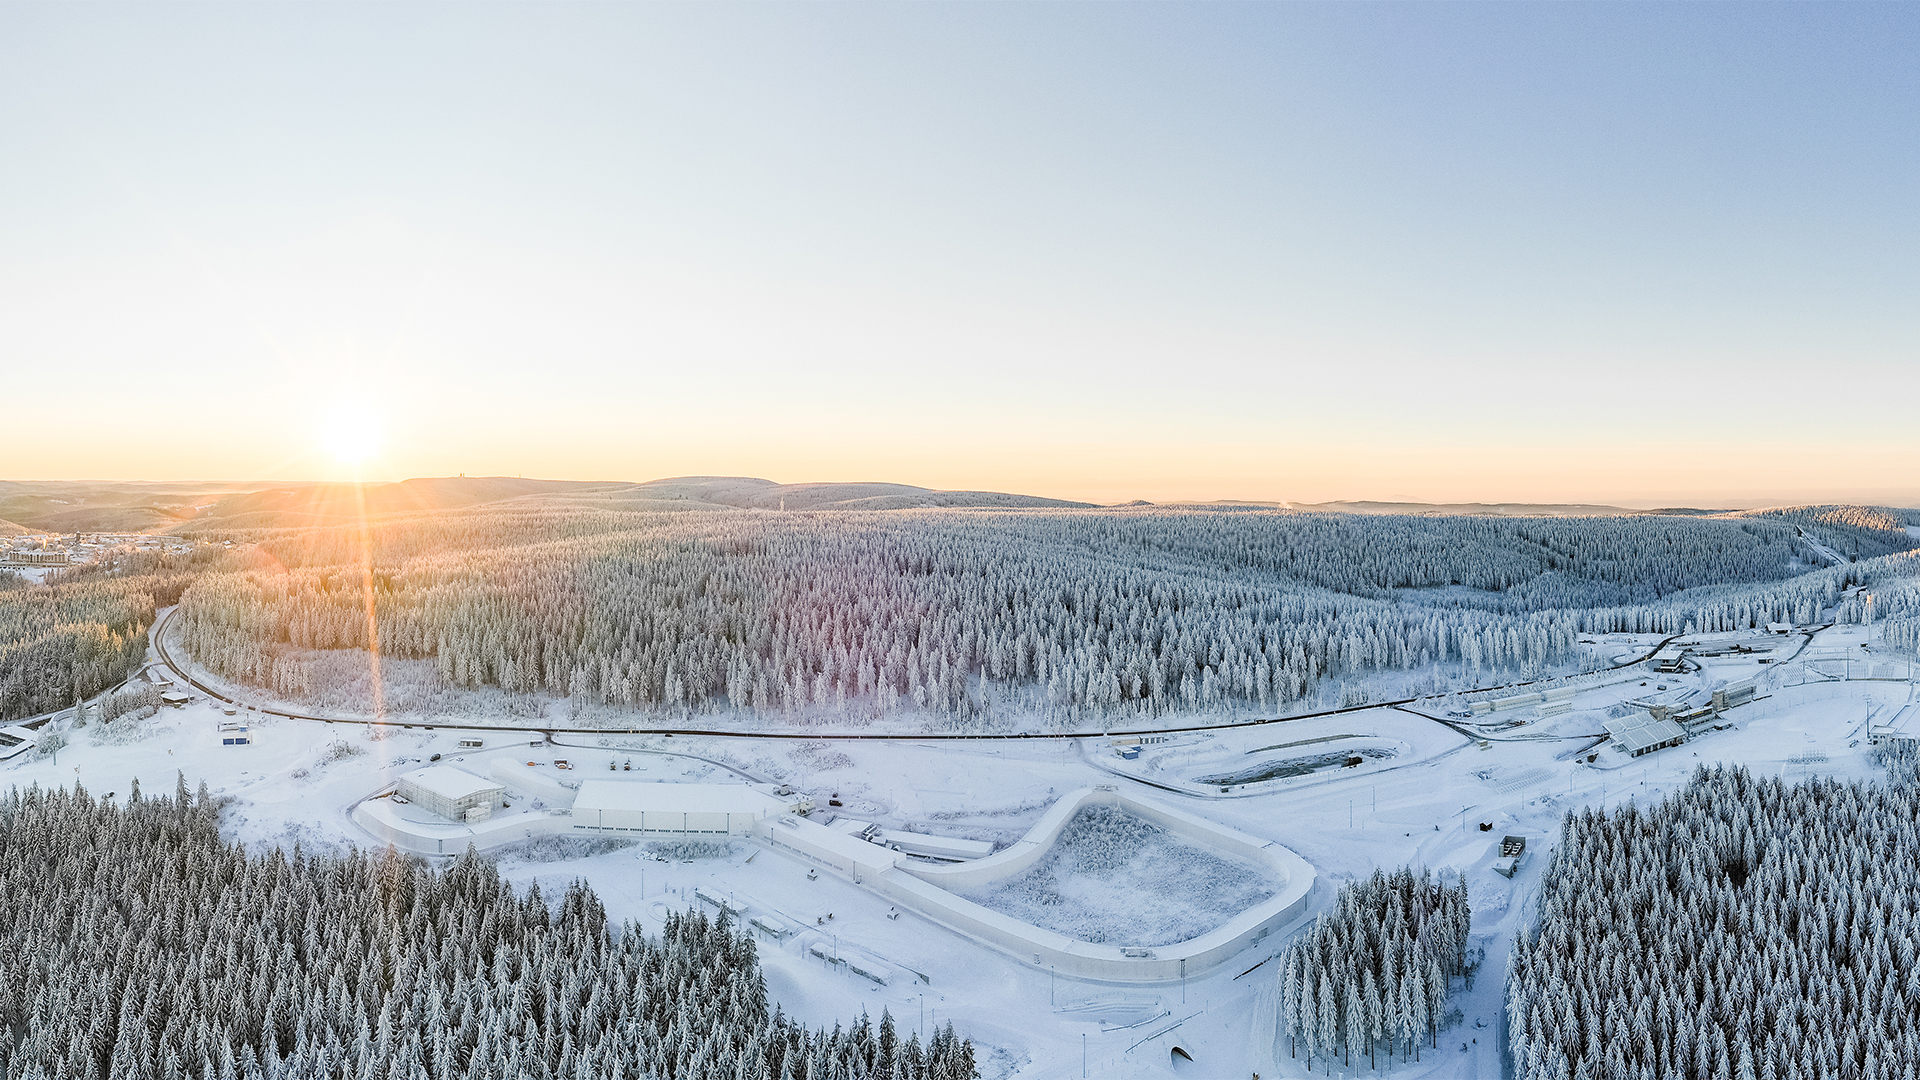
[(1643, 254)]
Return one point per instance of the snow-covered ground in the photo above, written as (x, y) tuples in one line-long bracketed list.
[(1115, 877), (1440, 774)]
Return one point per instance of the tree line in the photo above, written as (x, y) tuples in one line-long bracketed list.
[(1071, 615), (140, 946), (1740, 928)]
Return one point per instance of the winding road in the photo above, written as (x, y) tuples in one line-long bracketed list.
[(159, 636)]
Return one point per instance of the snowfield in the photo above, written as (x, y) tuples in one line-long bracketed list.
[(1115, 877)]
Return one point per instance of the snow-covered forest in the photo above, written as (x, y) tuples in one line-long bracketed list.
[(955, 614), (81, 632), (1742, 927), (139, 945), (1857, 532), (1371, 977)]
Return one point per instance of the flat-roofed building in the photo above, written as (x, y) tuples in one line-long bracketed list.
[(34, 558), (452, 793), (671, 809), (1639, 735), (1902, 728)]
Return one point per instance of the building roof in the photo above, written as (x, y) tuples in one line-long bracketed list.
[(674, 798), (1904, 724), (1636, 732), (449, 782)]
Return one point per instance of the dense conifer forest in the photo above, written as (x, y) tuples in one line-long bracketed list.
[(1371, 978), (1741, 928), (958, 614), (139, 946), (83, 631)]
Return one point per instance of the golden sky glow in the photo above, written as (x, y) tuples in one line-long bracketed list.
[(1279, 252)]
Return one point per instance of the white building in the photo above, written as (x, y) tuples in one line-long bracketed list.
[(671, 809), (1637, 735), (452, 793)]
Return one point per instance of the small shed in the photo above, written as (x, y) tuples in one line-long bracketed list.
[(450, 792)]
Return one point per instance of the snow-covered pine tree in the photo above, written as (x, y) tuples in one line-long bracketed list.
[(139, 944), (1374, 971), (1738, 917)]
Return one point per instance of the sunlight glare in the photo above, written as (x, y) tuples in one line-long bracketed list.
[(351, 433)]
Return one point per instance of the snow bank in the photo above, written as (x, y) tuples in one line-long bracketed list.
[(1113, 876), (936, 891)]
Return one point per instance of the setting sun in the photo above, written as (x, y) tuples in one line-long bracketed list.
[(351, 434)]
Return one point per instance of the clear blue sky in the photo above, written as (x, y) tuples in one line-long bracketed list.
[(1640, 253)]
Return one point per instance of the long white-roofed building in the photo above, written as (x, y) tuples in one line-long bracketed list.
[(656, 809)]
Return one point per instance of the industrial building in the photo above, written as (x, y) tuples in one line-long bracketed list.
[(671, 809), (1732, 694), (1513, 849), (14, 557), (1639, 735), (1671, 660), (455, 794)]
